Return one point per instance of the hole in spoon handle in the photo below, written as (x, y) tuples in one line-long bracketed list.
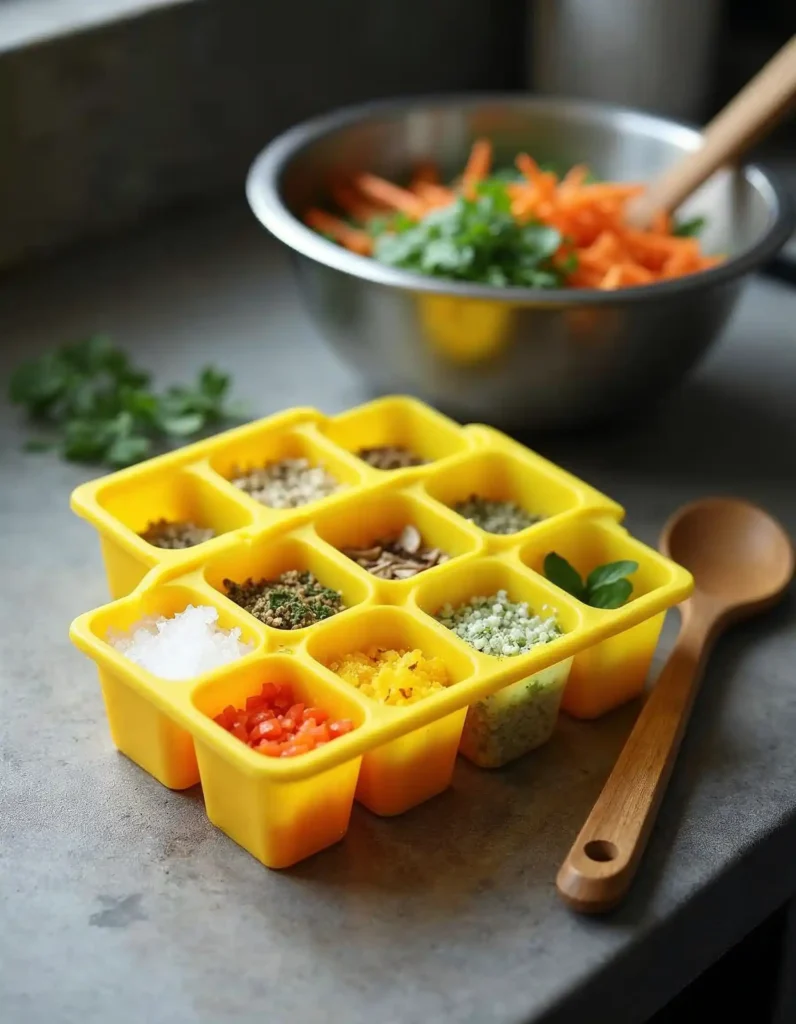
[(601, 851)]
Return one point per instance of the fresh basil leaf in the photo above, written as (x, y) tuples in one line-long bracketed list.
[(559, 571), (609, 573), (610, 595)]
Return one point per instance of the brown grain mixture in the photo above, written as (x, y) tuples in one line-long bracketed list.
[(293, 601), (398, 558), (390, 456), (175, 534)]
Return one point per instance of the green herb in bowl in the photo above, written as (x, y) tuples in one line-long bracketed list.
[(607, 586)]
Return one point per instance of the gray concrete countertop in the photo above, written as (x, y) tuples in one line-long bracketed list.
[(121, 902)]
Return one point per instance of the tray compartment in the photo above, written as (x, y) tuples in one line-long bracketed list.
[(414, 767), (270, 555), (279, 820), (397, 421), (612, 672), (360, 523), (144, 711)]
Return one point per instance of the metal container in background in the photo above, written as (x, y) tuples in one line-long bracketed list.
[(515, 356), (656, 55)]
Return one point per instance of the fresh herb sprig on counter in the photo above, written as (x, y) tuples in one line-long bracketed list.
[(475, 240), (606, 586), (93, 405)]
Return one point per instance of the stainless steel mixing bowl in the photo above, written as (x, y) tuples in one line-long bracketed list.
[(542, 359)]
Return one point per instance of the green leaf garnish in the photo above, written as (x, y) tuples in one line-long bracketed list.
[(690, 228), (606, 586), (99, 408), (611, 595), (559, 571), (475, 240), (610, 573)]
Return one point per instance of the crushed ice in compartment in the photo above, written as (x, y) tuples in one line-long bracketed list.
[(181, 646)]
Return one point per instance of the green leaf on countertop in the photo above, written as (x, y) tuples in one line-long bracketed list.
[(100, 409)]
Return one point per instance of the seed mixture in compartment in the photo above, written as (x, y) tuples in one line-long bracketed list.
[(287, 580), (515, 720), (154, 510), (395, 537), (398, 558), (291, 601), (504, 614), (499, 626), (181, 646), (289, 483), (175, 535), (501, 494), (501, 517), (390, 456), (396, 433), (285, 469)]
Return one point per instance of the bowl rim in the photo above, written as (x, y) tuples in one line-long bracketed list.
[(263, 194)]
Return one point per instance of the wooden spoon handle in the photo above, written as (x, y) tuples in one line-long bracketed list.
[(601, 865), (745, 119)]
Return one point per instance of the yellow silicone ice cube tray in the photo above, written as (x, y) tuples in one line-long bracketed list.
[(284, 809)]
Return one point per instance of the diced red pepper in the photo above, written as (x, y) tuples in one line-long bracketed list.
[(238, 730), (273, 724), (270, 730)]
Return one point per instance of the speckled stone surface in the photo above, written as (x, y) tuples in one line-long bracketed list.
[(121, 902)]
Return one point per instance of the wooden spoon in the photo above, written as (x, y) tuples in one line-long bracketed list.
[(744, 121), (742, 561)]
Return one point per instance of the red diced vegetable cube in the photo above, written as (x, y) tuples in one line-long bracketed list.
[(269, 748)]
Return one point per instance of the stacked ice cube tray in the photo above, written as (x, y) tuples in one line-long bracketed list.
[(285, 809)]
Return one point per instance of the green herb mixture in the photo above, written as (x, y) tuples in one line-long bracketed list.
[(93, 405), (474, 240)]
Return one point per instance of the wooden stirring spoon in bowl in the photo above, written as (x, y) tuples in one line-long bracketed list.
[(743, 122), (742, 561)]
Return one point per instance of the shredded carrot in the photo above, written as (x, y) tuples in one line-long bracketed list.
[(478, 165), (355, 205), (434, 195), (598, 248), (352, 238), (391, 195), (426, 173)]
